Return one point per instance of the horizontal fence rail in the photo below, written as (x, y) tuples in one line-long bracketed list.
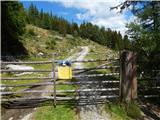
[(86, 82), (72, 83), (74, 76), (148, 88), (56, 61), (148, 96), (93, 60), (103, 67), (77, 69), (26, 71), (40, 62), (28, 78), (58, 98), (32, 84), (60, 83), (147, 79), (95, 75), (60, 91)]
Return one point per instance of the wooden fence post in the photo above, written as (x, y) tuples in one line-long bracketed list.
[(128, 80), (54, 82)]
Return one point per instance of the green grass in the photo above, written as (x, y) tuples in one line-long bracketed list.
[(102, 54), (62, 45), (123, 111), (35, 74), (61, 112)]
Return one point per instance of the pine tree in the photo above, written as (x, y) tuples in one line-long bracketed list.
[(13, 23), (145, 31)]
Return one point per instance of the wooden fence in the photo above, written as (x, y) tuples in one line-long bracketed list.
[(51, 80), (125, 85)]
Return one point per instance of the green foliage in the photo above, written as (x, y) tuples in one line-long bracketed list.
[(13, 23), (50, 44), (61, 112), (100, 35), (75, 33), (133, 110), (31, 32), (123, 111), (126, 43), (145, 33)]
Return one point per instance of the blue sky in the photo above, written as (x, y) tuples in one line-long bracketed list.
[(95, 11), (57, 9)]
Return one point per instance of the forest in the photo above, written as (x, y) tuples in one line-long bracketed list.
[(142, 36)]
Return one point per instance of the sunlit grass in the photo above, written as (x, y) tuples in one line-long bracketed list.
[(61, 112), (123, 111)]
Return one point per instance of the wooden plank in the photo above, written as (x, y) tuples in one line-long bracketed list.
[(88, 90), (31, 84), (26, 71), (29, 78), (57, 98), (148, 88), (59, 91), (78, 76), (28, 98), (146, 79), (55, 61), (29, 62), (148, 96), (95, 68), (96, 53), (96, 75), (86, 82), (59, 83), (94, 60), (28, 91)]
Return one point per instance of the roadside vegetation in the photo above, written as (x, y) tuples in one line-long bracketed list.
[(123, 111)]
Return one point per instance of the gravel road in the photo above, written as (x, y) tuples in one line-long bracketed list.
[(87, 111)]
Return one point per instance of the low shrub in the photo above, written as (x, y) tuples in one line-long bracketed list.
[(31, 32)]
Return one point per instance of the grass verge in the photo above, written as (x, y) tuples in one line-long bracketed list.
[(123, 111), (61, 112)]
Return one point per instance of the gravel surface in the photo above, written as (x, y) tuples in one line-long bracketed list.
[(88, 108)]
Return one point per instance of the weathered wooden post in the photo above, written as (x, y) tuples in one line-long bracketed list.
[(128, 80), (54, 82)]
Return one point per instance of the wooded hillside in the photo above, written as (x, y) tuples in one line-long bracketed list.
[(14, 14)]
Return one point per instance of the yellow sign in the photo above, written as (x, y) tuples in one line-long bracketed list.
[(64, 72)]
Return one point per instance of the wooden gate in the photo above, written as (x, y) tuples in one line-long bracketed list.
[(109, 81), (105, 81)]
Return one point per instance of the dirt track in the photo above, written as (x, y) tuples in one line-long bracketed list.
[(87, 111)]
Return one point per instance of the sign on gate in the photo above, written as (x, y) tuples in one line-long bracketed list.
[(64, 70)]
